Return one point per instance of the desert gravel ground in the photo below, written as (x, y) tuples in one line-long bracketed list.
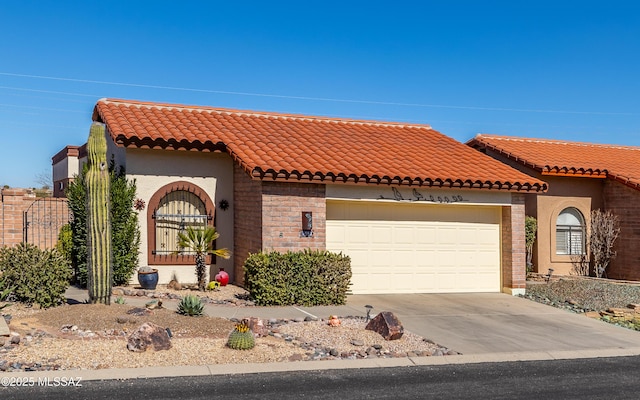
[(93, 336), (590, 294)]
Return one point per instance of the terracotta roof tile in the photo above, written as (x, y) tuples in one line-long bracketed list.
[(556, 157), (306, 148)]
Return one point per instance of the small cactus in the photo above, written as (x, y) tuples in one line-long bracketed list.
[(191, 305), (241, 338)]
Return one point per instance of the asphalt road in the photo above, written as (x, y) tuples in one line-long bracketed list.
[(601, 378)]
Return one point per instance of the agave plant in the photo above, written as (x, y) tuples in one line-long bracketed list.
[(191, 305), (200, 241)]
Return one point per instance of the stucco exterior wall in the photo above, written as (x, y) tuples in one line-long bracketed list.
[(212, 172), (582, 193), (623, 202)]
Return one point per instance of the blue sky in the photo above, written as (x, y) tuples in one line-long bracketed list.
[(550, 69)]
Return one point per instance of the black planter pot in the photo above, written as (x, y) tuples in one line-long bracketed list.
[(148, 280)]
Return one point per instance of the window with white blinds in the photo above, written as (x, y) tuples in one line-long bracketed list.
[(570, 232)]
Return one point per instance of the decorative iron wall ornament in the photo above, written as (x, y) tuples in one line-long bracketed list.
[(419, 197), (307, 224)]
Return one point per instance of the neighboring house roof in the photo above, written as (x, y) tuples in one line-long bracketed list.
[(272, 146), (563, 158)]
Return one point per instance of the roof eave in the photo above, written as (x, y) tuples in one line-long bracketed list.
[(271, 175)]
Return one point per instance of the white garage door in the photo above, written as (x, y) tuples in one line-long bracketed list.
[(417, 248)]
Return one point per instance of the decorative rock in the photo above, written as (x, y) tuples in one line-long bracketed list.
[(257, 326), (592, 314), (117, 292), (149, 334), (139, 311), (296, 357), (377, 346), (357, 342), (174, 284), (124, 319), (334, 321), (299, 319), (15, 338), (387, 325)]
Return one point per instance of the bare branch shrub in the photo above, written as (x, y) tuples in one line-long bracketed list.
[(605, 228), (580, 264), (531, 229)]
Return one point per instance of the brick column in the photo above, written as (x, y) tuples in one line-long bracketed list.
[(513, 246), (13, 203), (247, 220)]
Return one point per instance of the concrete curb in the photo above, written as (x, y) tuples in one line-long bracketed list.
[(255, 368)]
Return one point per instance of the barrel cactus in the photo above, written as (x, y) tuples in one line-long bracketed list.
[(191, 305), (99, 264), (241, 338)]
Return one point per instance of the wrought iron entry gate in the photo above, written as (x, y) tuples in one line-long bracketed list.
[(42, 221)]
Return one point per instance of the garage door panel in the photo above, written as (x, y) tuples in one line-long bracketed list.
[(400, 248), (425, 235), (381, 234)]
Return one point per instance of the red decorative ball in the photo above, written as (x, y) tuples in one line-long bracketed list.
[(222, 278)]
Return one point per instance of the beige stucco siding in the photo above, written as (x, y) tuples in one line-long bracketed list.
[(584, 194), (212, 172)]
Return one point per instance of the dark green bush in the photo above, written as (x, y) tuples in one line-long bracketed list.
[(65, 243), (308, 278), (125, 234), (36, 276)]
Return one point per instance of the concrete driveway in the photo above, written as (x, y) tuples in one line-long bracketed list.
[(482, 323)]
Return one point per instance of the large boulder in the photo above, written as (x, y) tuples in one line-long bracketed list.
[(149, 335), (387, 325)]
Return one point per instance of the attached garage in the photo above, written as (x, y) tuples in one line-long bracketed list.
[(417, 248)]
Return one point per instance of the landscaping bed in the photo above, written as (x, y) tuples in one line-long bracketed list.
[(94, 336), (609, 300)]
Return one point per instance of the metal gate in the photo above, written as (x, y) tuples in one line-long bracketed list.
[(42, 221)]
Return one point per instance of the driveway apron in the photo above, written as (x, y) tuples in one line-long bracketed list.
[(479, 323)]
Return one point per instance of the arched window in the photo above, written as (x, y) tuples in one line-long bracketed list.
[(570, 232), (171, 210), (177, 211)]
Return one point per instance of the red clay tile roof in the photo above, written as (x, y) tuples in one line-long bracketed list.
[(273, 146), (556, 157)]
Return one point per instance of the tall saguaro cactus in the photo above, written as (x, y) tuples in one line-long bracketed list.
[(99, 265)]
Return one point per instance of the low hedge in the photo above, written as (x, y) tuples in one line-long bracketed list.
[(308, 278), (31, 275)]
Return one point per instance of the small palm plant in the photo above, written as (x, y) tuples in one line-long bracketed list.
[(200, 241)]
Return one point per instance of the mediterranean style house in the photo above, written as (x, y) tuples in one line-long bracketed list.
[(582, 177), (415, 210)]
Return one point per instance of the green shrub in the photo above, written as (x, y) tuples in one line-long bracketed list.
[(65, 243), (308, 278), (125, 234), (36, 276)]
